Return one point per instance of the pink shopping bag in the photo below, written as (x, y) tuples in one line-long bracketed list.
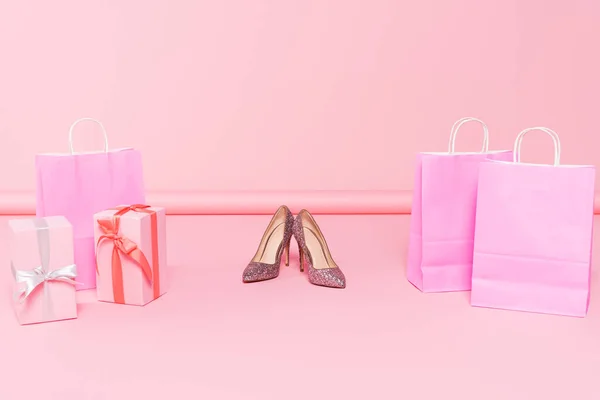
[(440, 254), (78, 185), (533, 240)]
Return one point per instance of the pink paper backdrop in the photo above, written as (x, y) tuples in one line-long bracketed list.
[(296, 94)]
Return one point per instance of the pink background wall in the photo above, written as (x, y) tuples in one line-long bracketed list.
[(296, 94)]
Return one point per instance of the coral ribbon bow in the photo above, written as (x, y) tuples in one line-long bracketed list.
[(142, 208), (110, 230), (133, 207)]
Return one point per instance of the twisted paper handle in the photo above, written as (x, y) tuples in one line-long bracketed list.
[(461, 122), (521, 135), (87, 119)]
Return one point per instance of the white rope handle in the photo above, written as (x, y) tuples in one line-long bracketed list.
[(457, 122), (456, 127), (87, 119), (521, 135)]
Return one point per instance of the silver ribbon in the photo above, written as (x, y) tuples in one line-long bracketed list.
[(29, 280), (37, 276)]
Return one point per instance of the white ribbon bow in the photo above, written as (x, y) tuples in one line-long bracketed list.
[(35, 277)]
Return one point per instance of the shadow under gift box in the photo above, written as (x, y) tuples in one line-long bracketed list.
[(45, 244), (131, 235)]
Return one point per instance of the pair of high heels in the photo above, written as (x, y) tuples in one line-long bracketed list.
[(314, 252)]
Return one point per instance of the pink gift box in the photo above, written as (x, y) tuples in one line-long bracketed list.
[(42, 261), (130, 254)]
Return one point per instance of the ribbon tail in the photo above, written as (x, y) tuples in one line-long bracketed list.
[(141, 259), (27, 282), (100, 239), (19, 296), (155, 266), (49, 309), (23, 293), (117, 277), (67, 279), (18, 293)]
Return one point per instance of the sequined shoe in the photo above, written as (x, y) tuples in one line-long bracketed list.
[(274, 244), (322, 270)]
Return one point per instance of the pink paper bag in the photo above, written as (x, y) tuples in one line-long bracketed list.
[(41, 252), (79, 185), (131, 253), (533, 240), (440, 253)]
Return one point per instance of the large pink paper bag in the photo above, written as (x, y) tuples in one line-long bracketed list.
[(440, 253), (131, 253), (533, 240), (78, 185), (41, 252)]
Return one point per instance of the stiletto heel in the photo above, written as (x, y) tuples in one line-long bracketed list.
[(286, 252), (274, 244), (322, 270)]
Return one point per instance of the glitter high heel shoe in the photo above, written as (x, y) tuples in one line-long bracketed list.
[(274, 244), (322, 270)]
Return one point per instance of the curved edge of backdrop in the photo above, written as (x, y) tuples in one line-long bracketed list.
[(256, 202), (249, 202)]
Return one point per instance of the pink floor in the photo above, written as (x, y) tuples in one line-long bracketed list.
[(212, 337)]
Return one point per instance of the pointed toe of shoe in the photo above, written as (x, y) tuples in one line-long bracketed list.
[(330, 277), (256, 272)]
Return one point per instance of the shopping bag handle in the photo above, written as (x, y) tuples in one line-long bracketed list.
[(87, 119), (553, 135), (456, 127)]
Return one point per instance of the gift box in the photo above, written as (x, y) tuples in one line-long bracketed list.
[(42, 263), (130, 254)]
